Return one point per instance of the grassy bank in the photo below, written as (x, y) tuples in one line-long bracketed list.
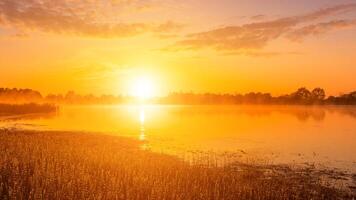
[(30, 108), (57, 165)]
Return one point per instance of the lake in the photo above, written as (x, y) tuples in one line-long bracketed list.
[(321, 135)]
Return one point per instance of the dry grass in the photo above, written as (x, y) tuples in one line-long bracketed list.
[(57, 165)]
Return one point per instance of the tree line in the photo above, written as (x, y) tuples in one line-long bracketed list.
[(302, 96), (20, 96)]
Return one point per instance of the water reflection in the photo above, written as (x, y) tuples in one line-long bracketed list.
[(301, 113), (25, 120), (7, 118), (142, 133), (287, 131), (142, 136)]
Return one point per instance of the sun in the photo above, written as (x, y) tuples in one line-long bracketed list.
[(143, 87)]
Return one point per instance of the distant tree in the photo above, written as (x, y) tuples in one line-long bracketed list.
[(353, 95), (70, 94), (16, 95), (318, 94), (302, 95), (348, 98)]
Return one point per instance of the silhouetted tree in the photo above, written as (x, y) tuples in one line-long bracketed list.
[(302, 95), (15, 95), (318, 95)]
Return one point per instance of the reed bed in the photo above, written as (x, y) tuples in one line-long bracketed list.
[(63, 165), (29, 108)]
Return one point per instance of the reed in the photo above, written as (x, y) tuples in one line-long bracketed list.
[(29, 108), (63, 165)]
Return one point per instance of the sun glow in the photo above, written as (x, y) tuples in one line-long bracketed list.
[(143, 88)]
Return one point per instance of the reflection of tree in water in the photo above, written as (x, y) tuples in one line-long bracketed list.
[(302, 113), (351, 113), (315, 114), (344, 110), (319, 116), (224, 110)]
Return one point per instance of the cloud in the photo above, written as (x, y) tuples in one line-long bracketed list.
[(253, 36), (139, 5), (264, 54), (168, 27), (320, 28), (76, 17), (258, 17)]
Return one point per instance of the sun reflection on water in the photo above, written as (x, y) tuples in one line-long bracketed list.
[(142, 134)]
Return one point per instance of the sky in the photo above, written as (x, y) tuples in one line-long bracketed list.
[(102, 46)]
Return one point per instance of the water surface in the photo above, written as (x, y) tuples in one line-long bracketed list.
[(283, 134)]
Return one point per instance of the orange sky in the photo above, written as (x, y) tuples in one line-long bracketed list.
[(93, 46)]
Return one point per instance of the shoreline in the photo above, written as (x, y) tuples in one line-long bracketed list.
[(51, 160)]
